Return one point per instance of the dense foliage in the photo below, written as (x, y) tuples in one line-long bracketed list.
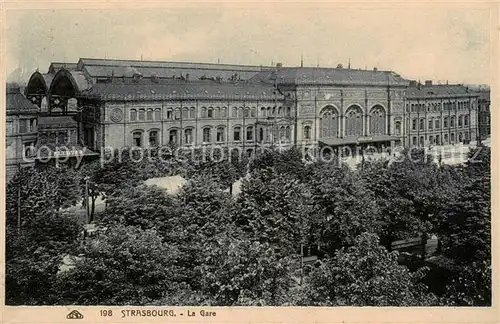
[(206, 246)]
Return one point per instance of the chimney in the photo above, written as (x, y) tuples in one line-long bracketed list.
[(413, 83), (428, 82)]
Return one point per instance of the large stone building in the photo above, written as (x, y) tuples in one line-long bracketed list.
[(98, 104), (440, 114), (21, 130), (484, 116)]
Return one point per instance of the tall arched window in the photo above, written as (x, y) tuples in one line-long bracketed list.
[(307, 132), (329, 123), (223, 112), (149, 114), (253, 112), (354, 121), (203, 112), (192, 113), (210, 112), (217, 112), (153, 138), (137, 138), (185, 113), (263, 112), (142, 114), (377, 120), (397, 127), (237, 134)]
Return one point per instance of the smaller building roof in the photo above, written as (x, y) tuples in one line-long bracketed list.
[(438, 90), (16, 102), (56, 66)]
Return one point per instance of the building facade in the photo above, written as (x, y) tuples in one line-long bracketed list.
[(118, 103), (21, 130), (440, 114), (484, 115)]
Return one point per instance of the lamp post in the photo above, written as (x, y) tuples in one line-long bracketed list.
[(87, 211)]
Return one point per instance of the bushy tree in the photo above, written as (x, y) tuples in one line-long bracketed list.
[(365, 274), (124, 266)]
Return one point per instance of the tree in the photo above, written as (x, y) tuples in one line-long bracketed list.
[(342, 205), (241, 271), (273, 208), (365, 274), (288, 162), (123, 266)]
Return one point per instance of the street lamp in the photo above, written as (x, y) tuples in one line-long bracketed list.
[(87, 211)]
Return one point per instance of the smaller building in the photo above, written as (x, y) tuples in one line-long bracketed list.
[(483, 115), (440, 114), (21, 130)]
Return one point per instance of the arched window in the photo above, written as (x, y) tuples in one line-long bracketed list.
[(261, 134), (142, 114), (445, 123), (329, 123), (354, 121), (430, 123), (172, 136), (210, 112), (307, 132), (288, 133), (207, 135), (377, 120), (431, 139), (234, 112), (237, 134), (247, 112), (149, 114), (223, 112), (452, 137), (133, 115), (153, 138), (452, 122), (422, 141), (282, 133), (203, 112), (460, 137), (253, 112), (169, 114), (446, 139), (220, 134), (263, 112), (137, 138), (185, 113), (188, 136), (437, 123), (438, 140), (158, 114), (466, 120), (177, 113), (288, 111), (414, 124), (192, 113), (250, 133), (217, 112)]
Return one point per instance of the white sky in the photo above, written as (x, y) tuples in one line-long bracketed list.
[(419, 42)]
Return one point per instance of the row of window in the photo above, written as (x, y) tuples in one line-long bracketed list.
[(461, 137), (25, 126), (436, 123), (220, 135), (207, 112), (462, 105)]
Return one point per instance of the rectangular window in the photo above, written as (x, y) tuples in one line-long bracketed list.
[(185, 113), (169, 114), (437, 124), (142, 114), (452, 122), (153, 138), (466, 120), (172, 137), (192, 113), (10, 128), (430, 124), (158, 114), (250, 133), (220, 134), (188, 136), (133, 115), (414, 124), (137, 139), (460, 121), (210, 113), (237, 134), (149, 114), (422, 124), (234, 112), (29, 149), (23, 125), (206, 135), (445, 123)]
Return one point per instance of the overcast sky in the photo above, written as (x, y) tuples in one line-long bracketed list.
[(445, 43)]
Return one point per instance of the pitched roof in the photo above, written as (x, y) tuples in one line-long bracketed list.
[(182, 90), (311, 75), (17, 102), (55, 66), (96, 68), (438, 90)]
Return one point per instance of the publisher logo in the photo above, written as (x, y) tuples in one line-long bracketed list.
[(74, 315)]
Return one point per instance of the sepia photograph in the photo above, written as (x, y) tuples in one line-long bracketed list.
[(260, 154)]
